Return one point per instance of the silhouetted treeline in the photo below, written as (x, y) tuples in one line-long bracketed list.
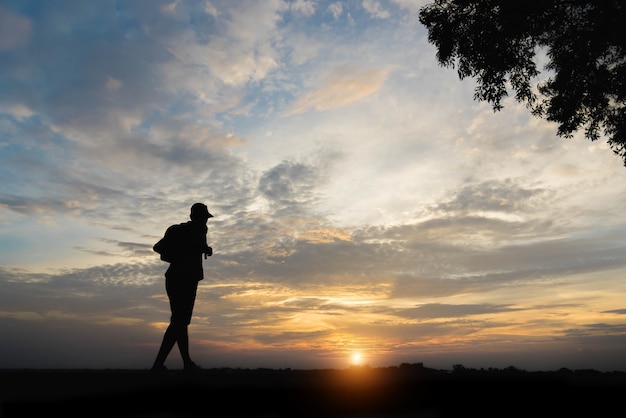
[(410, 389)]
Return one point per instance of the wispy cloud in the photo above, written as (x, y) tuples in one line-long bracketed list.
[(341, 87)]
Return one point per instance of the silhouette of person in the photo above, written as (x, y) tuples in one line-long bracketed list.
[(182, 246)]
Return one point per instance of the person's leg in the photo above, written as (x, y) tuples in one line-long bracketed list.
[(183, 345), (186, 312), (175, 334), (169, 339), (171, 335), (182, 299)]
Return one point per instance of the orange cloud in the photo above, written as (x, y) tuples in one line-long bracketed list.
[(342, 87)]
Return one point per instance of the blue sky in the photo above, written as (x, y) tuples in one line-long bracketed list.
[(363, 202)]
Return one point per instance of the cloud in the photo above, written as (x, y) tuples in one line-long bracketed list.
[(288, 183), (375, 10), (359, 280), (303, 7), (412, 5), (239, 48), (617, 311), (336, 9), (170, 8), (15, 30), (502, 195), (343, 86)]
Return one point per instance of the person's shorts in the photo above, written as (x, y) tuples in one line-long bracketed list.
[(182, 295)]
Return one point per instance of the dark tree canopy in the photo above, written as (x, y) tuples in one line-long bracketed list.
[(496, 41)]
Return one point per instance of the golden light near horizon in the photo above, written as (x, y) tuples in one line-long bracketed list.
[(356, 359)]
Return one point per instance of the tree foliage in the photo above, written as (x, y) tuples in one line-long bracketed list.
[(497, 41)]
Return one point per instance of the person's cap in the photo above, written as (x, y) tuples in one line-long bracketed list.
[(200, 209)]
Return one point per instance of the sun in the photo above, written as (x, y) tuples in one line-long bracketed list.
[(357, 359)]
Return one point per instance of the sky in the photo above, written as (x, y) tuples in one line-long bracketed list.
[(365, 205)]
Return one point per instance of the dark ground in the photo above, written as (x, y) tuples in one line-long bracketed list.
[(409, 390)]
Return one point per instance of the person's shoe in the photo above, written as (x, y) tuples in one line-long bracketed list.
[(192, 368)]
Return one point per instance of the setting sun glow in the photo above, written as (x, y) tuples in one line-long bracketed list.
[(357, 358)]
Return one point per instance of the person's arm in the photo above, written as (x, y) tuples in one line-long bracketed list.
[(208, 251)]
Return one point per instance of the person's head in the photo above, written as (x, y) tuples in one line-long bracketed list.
[(199, 213)]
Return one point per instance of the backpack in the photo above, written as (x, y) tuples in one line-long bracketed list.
[(169, 246)]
